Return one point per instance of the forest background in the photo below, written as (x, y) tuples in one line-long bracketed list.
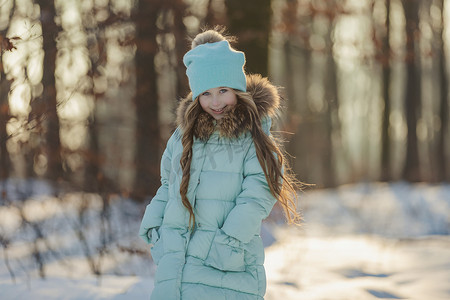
[(89, 89)]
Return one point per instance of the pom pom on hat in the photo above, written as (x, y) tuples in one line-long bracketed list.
[(212, 65)]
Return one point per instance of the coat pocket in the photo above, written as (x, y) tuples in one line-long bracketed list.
[(225, 253), (156, 248)]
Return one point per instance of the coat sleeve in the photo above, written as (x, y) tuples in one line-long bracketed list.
[(253, 204), (154, 212)]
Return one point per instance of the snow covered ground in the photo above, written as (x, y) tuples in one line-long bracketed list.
[(363, 241)]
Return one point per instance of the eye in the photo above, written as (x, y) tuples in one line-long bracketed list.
[(223, 91), (206, 94)]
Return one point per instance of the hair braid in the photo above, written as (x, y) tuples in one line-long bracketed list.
[(189, 121)]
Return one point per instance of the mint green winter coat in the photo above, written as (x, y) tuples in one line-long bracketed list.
[(222, 258)]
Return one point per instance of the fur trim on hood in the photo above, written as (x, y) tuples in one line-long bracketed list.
[(237, 120)]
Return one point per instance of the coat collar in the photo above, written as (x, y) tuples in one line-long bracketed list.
[(237, 121)]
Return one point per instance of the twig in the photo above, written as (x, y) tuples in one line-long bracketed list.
[(5, 244)]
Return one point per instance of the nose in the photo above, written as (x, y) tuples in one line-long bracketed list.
[(215, 100)]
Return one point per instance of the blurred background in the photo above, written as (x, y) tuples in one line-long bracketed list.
[(89, 89)]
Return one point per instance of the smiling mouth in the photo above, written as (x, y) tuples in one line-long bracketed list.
[(218, 111)]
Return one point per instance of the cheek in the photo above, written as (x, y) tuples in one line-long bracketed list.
[(203, 103), (232, 100)]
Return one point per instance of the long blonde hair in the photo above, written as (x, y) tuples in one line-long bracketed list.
[(281, 180)]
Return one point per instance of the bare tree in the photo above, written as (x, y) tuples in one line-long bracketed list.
[(146, 100), (297, 66), (331, 97), (384, 59), (4, 117), (442, 171), (179, 8), (250, 21), (96, 45), (4, 101), (45, 107), (411, 171)]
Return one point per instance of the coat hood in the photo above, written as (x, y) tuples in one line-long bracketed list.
[(237, 121)]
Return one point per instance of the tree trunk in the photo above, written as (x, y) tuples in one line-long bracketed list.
[(5, 85), (250, 21), (4, 117), (296, 77), (48, 103), (386, 69), (332, 123), (96, 47), (181, 47), (92, 154), (442, 172), (411, 171), (146, 101)]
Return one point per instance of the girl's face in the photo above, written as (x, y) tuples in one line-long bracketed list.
[(217, 101)]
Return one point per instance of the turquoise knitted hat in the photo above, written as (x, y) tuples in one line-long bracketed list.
[(212, 65)]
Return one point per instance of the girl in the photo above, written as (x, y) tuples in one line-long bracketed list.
[(221, 174)]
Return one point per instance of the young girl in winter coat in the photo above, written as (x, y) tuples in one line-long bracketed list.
[(221, 174)]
